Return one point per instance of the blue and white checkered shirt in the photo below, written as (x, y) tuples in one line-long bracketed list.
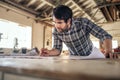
[(77, 38)]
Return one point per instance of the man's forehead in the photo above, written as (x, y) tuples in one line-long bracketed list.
[(57, 20)]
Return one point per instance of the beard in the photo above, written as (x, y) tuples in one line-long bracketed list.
[(62, 30)]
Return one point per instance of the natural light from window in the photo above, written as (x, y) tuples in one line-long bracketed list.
[(11, 31)]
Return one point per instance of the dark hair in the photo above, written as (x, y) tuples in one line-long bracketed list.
[(62, 12)]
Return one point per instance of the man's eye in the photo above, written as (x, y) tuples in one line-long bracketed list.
[(59, 22)]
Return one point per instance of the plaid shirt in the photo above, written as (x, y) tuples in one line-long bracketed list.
[(77, 38)]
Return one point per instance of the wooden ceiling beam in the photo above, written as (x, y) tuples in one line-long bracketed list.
[(107, 4), (21, 7), (72, 6), (117, 12), (107, 13), (114, 13), (76, 13), (99, 19), (95, 13), (111, 12), (31, 2), (79, 8), (39, 6), (48, 3), (18, 1)]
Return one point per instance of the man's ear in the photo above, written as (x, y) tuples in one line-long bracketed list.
[(69, 21)]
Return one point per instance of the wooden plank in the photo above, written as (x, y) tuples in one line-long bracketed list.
[(108, 14), (63, 68)]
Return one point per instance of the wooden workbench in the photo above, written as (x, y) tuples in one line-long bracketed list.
[(58, 68)]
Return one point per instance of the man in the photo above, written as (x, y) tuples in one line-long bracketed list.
[(75, 33)]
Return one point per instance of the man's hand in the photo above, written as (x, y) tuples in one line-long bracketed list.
[(44, 52), (108, 49), (52, 52), (111, 55)]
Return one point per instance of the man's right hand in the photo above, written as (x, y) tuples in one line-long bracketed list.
[(52, 52), (44, 52)]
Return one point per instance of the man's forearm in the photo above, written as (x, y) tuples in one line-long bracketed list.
[(108, 49), (108, 45), (54, 52)]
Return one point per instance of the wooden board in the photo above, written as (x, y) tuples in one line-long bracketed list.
[(62, 68)]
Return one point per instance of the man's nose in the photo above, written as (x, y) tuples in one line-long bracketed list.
[(57, 25)]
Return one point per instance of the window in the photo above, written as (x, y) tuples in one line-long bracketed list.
[(12, 33), (114, 43)]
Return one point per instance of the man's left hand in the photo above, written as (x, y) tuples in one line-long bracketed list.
[(111, 55)]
